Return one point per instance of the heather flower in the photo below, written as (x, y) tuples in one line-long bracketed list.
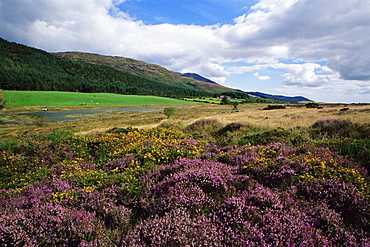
[(342, 197), (211, 177), (175, 228), (48, 224), (162, 188), (247, 224)]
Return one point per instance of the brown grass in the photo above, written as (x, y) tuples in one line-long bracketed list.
[(248, 114)]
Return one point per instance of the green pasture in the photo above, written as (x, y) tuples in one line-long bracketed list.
[(49, 98)]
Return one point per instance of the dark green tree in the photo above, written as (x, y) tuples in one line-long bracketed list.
[(169, 111), (224, 101), (2, 99)]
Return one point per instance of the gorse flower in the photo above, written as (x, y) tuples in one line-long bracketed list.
[(162, 188)]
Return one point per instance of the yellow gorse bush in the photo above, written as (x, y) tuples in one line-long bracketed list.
[(145, 148), (323, 165), (156, 146)]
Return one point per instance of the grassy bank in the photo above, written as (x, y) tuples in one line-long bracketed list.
[(48, 98)]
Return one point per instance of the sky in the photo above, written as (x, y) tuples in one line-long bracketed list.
[(319, 49)]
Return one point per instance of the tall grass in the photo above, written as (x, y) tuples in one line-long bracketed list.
[(251, 116)]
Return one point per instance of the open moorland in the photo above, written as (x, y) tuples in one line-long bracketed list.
[(221, 168), (208, 175)]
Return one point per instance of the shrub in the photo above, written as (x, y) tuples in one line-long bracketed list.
[(312, 105), (257, 219), (228, 128), (225, 101), (334, 128), (122, 130), (202, 124), (364, 131), (203, 128), (267, 137), (169, 111), (341, 197), (235, 105), (33, 218), (273, 107), (357, 150), (196, 184), (2, 100), (162, 188), (175, 228)]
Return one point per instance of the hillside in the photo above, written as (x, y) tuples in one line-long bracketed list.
[(197, 77), (149, 71), (27, 68)]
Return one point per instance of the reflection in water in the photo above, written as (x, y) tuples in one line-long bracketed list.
[(62, 115)]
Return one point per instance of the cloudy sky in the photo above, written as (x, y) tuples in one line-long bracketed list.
[(319, 49)]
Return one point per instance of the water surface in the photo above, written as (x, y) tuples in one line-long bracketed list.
[(69, 115)]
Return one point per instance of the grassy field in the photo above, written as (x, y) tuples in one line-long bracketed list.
[(47, 98), (249, 115)]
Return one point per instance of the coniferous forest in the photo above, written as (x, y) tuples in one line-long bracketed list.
[(26, 68)]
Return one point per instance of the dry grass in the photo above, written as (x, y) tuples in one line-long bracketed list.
[(289, 118), (248, 114)]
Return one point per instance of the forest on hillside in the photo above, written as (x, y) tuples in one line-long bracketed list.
[(26, 68)]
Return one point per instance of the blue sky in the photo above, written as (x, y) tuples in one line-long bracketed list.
[(207, 12), (313, 48)]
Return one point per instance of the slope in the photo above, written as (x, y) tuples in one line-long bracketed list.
[(146, 70), (27, 68)]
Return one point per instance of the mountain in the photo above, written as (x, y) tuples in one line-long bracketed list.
[(146, 70), (279, 97), (155, 73), (27, 68), (197, 77)]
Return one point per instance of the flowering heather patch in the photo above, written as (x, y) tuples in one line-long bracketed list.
[(340, 196), (277, 165), (36, 218), (195, 184), (247, 224), (175, 228), (162, 188)]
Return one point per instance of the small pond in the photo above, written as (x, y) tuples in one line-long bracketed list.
[(56, 116)]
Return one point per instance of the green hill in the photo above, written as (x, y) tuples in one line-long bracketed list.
[(26, 68), (149, 71)]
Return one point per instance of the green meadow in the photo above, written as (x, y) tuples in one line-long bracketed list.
[(49, 98)]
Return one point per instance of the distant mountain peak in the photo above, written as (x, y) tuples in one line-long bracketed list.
[(279, 97)]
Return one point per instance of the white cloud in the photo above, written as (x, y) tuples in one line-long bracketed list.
[(304, 74), (305, 30), (261, 77)]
